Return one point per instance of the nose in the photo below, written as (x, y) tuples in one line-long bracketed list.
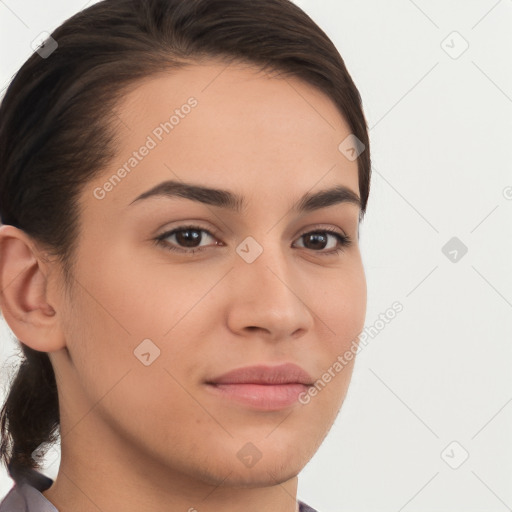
[(269, 297)]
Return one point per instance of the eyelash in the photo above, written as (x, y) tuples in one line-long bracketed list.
[(344, 240)]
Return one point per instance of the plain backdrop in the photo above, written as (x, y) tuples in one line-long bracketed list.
[(427, 423)]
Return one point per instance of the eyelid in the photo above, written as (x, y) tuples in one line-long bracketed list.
[(322, 227), (183, 227)]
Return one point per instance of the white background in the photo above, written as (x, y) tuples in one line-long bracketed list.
[(440, 371)]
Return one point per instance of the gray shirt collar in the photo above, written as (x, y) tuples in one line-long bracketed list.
[(26, 495)]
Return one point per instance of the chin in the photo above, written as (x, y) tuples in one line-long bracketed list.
[(273, 469), (265, 476)]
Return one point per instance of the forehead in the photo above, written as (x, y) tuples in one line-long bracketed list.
[(229, 126)]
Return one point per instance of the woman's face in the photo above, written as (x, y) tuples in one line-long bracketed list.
[(148, 326)]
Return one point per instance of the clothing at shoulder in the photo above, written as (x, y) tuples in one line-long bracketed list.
[(26, 496), (302, 508)]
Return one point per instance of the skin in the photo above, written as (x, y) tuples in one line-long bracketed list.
[(138, 437)]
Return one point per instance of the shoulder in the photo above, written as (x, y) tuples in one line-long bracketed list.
[(14, 501), (26, 495), (302, 507)]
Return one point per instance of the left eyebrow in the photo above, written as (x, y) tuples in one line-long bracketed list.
[(229, 200)]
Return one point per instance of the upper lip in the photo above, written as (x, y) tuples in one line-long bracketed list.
[(288, 373)]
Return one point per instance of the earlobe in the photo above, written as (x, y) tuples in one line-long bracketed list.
[(23, 292)]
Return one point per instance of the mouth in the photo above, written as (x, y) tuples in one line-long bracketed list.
[(265, 388)]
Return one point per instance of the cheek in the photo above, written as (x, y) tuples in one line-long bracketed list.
[(133, 392), (340, 311), (141, 296), (138, 318), (341, 308)]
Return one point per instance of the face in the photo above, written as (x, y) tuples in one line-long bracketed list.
[(173, 291)]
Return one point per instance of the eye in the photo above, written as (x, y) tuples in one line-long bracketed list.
[(320, 237), (186, 235), (185, 240)]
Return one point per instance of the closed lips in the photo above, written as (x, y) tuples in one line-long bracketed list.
[(288, 373)]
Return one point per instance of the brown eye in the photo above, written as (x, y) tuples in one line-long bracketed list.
[(319, 239), (186, 239)]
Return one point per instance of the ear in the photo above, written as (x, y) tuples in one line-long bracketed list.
[(23, 292)]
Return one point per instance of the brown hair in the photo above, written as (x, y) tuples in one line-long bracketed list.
[(58, 131)]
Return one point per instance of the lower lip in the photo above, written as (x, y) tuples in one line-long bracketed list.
[(265, 397)]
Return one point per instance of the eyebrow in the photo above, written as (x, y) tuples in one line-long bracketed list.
[(229, 200)]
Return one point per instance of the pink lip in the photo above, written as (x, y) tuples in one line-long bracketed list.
[(263, 387)]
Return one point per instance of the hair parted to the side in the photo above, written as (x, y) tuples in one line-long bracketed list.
[(58, 132)]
